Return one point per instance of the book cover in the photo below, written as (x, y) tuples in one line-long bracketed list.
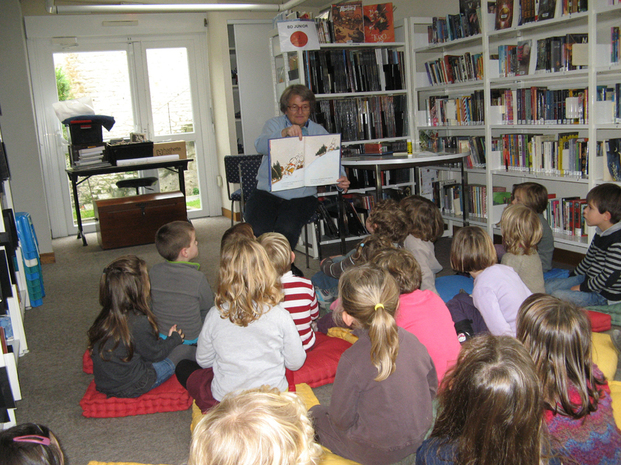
[(613, 161), (312, 161), (523, 57), (347, 22), (379, 25), (546, 9), (504, 14)]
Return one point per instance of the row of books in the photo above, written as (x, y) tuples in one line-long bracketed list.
[(540, 105), (533, 10), (364, 118), (556, 155), (450, 69), (334, 71), (352, 22), (562, 53), (475, 145), (453, 27), (375, 148), (458, 111), (565, 215)]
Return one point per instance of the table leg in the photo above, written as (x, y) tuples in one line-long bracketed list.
[(341, 220), (464, 192), (181, 171), (74, 186)]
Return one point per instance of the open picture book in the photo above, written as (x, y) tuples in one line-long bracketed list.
[(312, 161)]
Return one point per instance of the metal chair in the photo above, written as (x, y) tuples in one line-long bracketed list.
[(248, 170), (231, 169)]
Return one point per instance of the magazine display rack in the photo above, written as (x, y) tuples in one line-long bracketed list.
[(545, 89)]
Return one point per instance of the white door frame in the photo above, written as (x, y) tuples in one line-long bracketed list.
[(47, 35)]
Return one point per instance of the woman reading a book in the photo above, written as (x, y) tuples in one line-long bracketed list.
[(286, 211)]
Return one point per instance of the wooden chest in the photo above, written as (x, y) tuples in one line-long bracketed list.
[(126, 221)]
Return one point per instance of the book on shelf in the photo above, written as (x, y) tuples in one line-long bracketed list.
[(347, 22), (379, 25), (504, 14), (614, 44), (528, 11), (523, 57), (546, 10), (312, 161), (612, 163)]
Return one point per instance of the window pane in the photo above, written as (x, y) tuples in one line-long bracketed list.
[(169, 83)]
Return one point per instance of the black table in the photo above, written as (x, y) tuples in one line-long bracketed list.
[(178, 166)]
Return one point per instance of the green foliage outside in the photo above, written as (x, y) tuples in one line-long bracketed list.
[(63, 85)]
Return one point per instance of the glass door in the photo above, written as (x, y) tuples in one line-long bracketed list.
[(152, 85)]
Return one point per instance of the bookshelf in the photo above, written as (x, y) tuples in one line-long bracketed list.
[(362, 91), (528, 110)]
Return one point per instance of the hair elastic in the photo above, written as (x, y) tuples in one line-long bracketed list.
[(380, 305), (34, 438)]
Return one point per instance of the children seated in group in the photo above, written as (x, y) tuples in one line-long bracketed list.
[(521, 232), (490, 409), (180, 293), (256, 427), (578, 409), (30, 444), (386, 220), (596, 279), (129, 357), (498, 290), (535, 196), (381, 406), (426, 226), (421, 312), (300, 300), (248, 339)]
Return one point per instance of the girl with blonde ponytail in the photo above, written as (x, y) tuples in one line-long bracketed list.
[(385, 383)]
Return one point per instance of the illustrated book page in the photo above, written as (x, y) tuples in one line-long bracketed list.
[(312, 161)]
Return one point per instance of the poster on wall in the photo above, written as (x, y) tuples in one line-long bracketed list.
[(297, 35)]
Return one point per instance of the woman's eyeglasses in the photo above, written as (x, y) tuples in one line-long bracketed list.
[(295, 108)]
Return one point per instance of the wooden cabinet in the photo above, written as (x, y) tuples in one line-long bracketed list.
[(126, 221)]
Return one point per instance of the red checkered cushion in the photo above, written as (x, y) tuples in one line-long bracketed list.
[(170, 396), (599, 321), (321, 362)]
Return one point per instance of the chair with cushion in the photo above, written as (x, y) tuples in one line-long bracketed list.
[(248, 170), (231, 169)]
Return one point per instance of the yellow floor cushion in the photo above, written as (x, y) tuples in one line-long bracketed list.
[(615, 391), (605, 355), (343, 333)]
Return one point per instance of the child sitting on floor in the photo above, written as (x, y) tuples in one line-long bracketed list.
[(596, 279), (521, 232), (381, 406), (386, 220), (248, 339), (425, 227), (490, 409), (240, 229), (30, 444), (497, 293), (180, 293), (421, 312), (129, 358), (300, 299), (578, 409), (256, 427), (535, 196)]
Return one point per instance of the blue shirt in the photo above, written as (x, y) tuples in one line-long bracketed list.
[(273, 130)]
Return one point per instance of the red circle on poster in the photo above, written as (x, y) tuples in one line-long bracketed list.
[(299, 39)]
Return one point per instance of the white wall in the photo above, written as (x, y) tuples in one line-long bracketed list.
[(18, 124)]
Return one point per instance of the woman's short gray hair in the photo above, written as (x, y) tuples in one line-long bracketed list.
[(297, 89)]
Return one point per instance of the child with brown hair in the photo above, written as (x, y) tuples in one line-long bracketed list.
[(497, 292), (535, 196), (421, 312), (180, 293), (381, 404), (490, 409), (240, 229), (248, 339), (578, 409), (300, 300), (426, 226), (256, 427), (30, 444), (521, 232), (129, 358), (386, 222), (596, 279)]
